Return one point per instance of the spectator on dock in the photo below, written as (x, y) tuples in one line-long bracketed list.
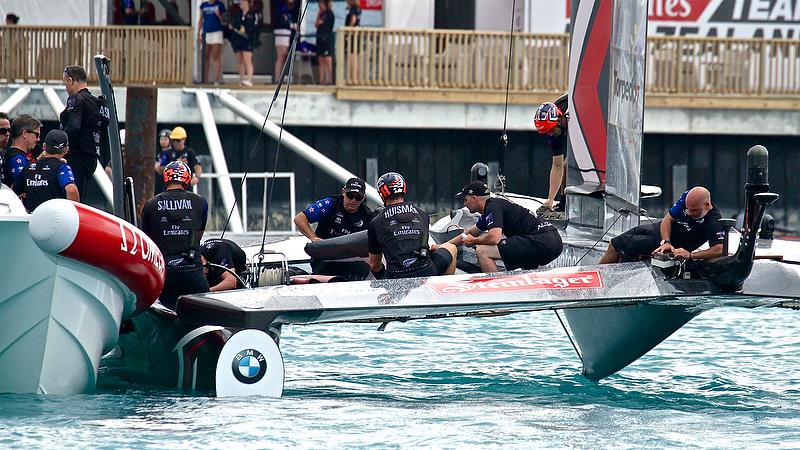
[(353, 19), (49, 176), (284, 26), (25, 131), (245, 29), (209, 26), (324, 24), (12, 19)]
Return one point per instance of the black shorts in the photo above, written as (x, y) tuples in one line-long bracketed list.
[(349, 270), (638, 241), (530, 251), (324, 45), (439, 261)]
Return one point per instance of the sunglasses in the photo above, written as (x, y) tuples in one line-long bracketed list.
[(5, 130), (34, 132), (354, 196)]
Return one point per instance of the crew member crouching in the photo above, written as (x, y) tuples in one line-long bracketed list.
[(218, 253), (506, 231), (175, 221), (400, 233)]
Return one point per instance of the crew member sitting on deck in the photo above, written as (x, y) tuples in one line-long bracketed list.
[(506, 231), (691, 222), (336, 216), (225, 253), (49, 177), (400, 233)]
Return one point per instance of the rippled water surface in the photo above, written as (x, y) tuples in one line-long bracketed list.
[(727, 379)]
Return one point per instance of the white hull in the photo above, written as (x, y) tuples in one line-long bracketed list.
[(57, 316)]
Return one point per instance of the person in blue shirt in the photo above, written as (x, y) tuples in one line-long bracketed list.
[(130, 15), (48, 177), (210, 25), (24, 137), (691, 222)]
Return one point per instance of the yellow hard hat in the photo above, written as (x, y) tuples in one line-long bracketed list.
[(178, 133)]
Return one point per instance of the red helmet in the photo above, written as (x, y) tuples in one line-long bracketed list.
[(177, 172), (391, 183), (546, 117)]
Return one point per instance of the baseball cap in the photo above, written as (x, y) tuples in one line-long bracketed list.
[(56, 140), (355, 185), (474, 188)]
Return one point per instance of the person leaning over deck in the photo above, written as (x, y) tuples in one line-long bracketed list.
[(551, 119), (336, 216), (48, 177), (24, 137), (175, 221), (691, 222), (506, 231), (400, 233), (225, 253)]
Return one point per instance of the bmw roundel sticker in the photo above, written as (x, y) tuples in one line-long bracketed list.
[(249, 366)]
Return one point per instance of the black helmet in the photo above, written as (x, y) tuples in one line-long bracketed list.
[(390, 183), (164, 133)]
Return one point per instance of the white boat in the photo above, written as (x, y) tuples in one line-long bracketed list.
[(61, 305)]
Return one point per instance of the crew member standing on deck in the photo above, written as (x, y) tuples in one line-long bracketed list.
[(400, 233), (175, 221), (24, 137), (48, 177), (551, 119), (336, 216), (84, 120)]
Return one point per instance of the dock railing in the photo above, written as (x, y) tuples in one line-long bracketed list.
[(469, 60), (139, 55)]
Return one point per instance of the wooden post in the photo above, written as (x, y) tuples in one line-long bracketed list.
[(140, 136)]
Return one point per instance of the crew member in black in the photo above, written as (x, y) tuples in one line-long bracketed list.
[(551, 119), (512, 233), (49, 177), (400, 233), (80, 121), (5, 133), (175, 221), (691, 222), (24, 137), (336, 216), (225, 253)]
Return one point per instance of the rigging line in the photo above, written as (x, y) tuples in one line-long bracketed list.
[(508, 72), (569, 336), (275, 94), (623, 212)]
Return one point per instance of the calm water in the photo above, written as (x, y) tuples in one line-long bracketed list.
[(727, 379)]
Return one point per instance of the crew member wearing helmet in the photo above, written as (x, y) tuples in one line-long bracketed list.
[(336, 216), (400, 234), (163, 152), (551, 119), (179, 152), (506, 231), (175, 221)]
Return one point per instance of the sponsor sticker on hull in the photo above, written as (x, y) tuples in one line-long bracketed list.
[(522, 282)]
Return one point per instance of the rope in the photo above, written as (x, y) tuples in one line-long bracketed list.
[(623, 212), (286, 68), (569, 336), (504, 135)]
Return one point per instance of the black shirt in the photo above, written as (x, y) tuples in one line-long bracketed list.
[(225, 253), (76, 121), (353, 11), (43, 180), (400, 232), (512, 218), (174, 220), (333, 220)]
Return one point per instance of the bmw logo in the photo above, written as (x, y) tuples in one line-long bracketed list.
[(249, 366)]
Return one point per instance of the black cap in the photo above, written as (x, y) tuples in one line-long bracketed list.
[(474, 188), (355, 185), (56, 140), (164, 133)]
